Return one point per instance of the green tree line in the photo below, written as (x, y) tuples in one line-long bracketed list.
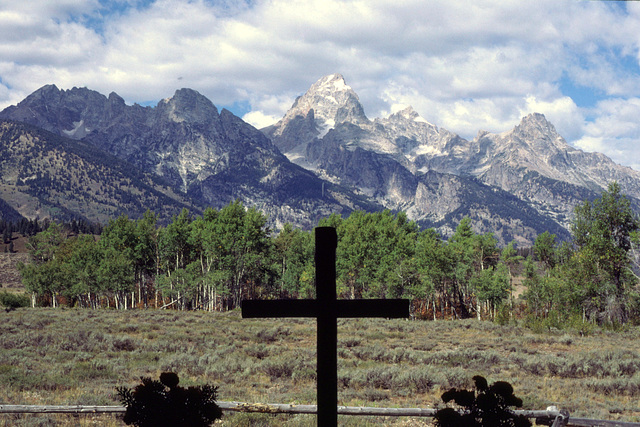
[(215, 260)]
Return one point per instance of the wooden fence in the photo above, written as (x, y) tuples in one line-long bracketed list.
[(554, 417)]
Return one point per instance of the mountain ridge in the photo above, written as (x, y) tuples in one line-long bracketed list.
[(212, 157), (521, 161), (326, 156)]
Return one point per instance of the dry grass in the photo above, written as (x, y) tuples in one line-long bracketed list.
[(72, 356)]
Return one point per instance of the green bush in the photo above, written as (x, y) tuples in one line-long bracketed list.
[(503, 317), (273, 334), (578, 324), (124, 344), (614, 386), (303, 374), (12, 301)]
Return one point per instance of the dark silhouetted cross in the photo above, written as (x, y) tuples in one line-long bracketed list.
[(326, 308)]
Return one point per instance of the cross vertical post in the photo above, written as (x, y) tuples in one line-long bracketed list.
[(327, 335), (326, 308)]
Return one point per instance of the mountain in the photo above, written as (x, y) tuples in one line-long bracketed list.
[(516, 184), (536, 164), (329, 102), (208, 157), (44, 175), (93, 156)]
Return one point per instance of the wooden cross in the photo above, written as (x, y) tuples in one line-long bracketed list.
[(326, 308)]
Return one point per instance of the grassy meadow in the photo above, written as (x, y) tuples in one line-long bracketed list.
[(78, 356)]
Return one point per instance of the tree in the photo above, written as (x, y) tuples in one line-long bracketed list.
[(146, 254), (293, 252), (544, 248), (46, 274), (537, 294), (602, 231), (492, 286), (202, 240), (117, 271), (435, 263), (84, 262), (401, 276), (472, 255), (43, 245), (43, 279), (175, 251), (115, 275), (334, 220), (511, 259), (372, 254), (241, 247)]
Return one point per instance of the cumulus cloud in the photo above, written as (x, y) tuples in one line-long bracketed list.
[(463, 66), (260, 120), (615, 131)]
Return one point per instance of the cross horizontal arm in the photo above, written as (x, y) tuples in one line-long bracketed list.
[(389, 308), (252, 309)]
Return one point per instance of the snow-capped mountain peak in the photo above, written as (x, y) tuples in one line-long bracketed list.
[(332, 101)]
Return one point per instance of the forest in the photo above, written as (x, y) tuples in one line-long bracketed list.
[(212, 262)]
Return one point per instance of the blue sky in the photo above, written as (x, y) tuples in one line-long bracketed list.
[(465, 66)]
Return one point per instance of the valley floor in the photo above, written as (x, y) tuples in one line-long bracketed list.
[(79, 357)]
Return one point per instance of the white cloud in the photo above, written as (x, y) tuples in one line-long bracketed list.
[(260, 120), (615, 132)]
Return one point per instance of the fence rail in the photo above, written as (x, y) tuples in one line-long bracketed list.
[(560, 417)]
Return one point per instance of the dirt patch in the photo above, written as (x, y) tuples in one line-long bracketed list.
[(18, 244)]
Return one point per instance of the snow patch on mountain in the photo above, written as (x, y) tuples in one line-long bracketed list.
[(79, 130)]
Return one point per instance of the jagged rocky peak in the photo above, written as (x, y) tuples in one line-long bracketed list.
[(408, 113), (46, 92), (409, 116), (535, 125), (60, 111), (481, 134), (332, 102), (188, 105), (538, 132), (114, 98)]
